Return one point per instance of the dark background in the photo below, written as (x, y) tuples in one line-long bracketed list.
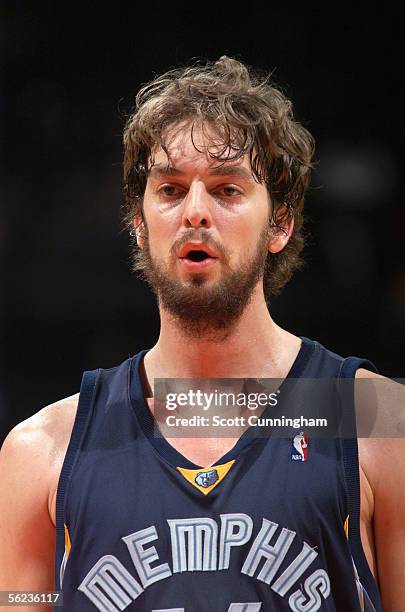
[(68, 78)]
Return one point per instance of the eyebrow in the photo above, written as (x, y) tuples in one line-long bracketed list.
[(222, 170)]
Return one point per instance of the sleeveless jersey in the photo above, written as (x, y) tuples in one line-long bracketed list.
[(140, 527)]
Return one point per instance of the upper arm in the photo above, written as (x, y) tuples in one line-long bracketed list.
[(27, 536), (387, 476), (384, 464)]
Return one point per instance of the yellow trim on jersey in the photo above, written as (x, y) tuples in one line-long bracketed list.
[(346, 526), (221, 472), (67, 540)]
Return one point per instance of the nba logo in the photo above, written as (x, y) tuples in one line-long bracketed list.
[(299, 451)]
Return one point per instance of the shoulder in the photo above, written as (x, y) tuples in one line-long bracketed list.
[(380, 414), (47, 429), (32, 453), (382, 458), (30, 460), (380, 405)]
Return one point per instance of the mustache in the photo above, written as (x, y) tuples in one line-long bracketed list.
[(199, 235)]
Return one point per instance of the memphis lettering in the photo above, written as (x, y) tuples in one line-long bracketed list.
[(201, 544)]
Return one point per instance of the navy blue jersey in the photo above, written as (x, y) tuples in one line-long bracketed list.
[(140, 527)]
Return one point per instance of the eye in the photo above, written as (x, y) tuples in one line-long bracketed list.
[(229, 191), (169, 191)]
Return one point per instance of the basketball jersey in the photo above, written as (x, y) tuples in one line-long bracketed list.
[(140, 527)]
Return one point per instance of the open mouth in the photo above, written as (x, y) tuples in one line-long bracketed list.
[(197, 256), (197, 259)]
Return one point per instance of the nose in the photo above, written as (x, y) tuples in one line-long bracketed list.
[(197, 207)]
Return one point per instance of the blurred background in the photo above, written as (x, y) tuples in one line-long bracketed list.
[(68, 80)]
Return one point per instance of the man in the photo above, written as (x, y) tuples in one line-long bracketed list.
[(216, 169)]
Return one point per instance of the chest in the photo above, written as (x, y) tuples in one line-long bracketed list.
[(205, 452), (268, 513), (137, 484)]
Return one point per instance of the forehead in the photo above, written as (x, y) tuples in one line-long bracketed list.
[(201, 147)]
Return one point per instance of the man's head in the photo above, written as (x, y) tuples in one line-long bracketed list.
[(213, 155)]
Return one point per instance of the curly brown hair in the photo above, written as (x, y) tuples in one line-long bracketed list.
[(251, 116)]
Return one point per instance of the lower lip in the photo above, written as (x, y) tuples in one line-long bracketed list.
[(198, 266)]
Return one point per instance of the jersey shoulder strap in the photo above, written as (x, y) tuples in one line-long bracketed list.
[(87, 393), (348, 370)]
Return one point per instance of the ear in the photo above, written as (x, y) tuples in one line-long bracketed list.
[(280, 235), (139, 228)]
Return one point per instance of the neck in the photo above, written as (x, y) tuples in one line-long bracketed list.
[(255, 348)]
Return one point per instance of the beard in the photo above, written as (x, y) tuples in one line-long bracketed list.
[(203, 309)]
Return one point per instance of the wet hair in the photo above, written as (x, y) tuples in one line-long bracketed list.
[(250, 115)]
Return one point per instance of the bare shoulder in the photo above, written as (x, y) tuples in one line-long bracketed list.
[(380, 413), (36, 447), (382, 461), (380, 409), (30, 461), (46, 433)]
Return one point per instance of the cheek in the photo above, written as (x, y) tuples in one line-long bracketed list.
[(162, 230), (241, 233)]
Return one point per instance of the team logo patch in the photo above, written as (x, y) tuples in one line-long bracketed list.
[(299, 451), (206, 479)]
